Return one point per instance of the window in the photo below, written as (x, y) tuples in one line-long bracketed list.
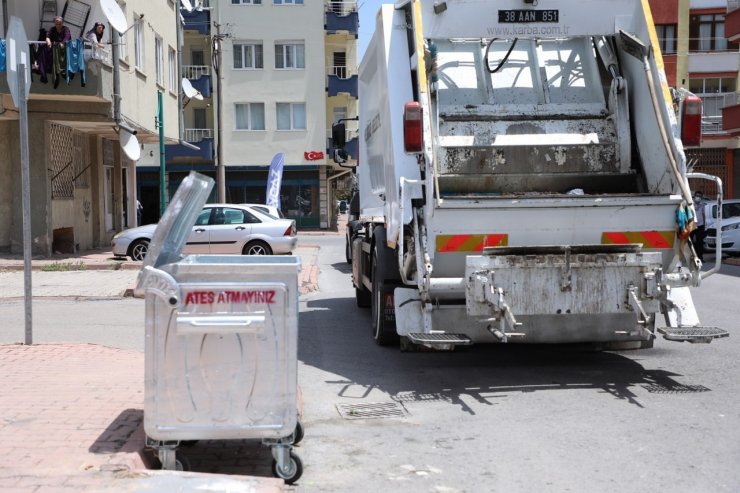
[(199, 118), (287, 2), (707, 32), (250, 116), (172, 67), (159, 60), (196, 56), (291, 116), (290, 55), (340, 64), (667, 37), (246, 2), (248, 55), (203, 217), (139, 44)]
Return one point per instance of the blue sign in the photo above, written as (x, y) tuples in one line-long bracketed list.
[(274, 179)]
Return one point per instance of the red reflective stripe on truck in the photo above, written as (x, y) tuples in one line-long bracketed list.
[(469, 242), (648, 239)]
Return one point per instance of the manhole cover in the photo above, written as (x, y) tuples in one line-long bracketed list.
[(372, 410), (675, 389)]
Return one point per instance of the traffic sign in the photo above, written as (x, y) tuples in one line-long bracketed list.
[(18, 54)]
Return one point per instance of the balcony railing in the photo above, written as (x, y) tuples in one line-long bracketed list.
[(342, 71), (194, 72), (712, 104), (341, 8), (733, 5), (193, 135), (669, 46)]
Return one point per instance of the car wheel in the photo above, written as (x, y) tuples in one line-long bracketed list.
[(257, 248), (139, 249)]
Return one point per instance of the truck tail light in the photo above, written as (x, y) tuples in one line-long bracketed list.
[(412, 127), (691, 120)]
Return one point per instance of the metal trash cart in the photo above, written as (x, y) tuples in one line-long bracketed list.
[(221, 342)]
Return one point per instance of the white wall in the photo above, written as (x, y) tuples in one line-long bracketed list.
[(270, 23)]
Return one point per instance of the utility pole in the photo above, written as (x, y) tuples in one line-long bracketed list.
[(220, 169)]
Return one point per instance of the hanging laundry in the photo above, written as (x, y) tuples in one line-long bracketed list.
[(58, 63), (76, 59), (2, 55)]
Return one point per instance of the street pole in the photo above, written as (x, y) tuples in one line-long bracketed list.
[(220, 170), (160, 126), (26, 190)]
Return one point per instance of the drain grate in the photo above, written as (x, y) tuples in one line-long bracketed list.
[(372, 410), (675, 389)]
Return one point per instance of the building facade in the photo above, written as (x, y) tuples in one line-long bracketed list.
[(287, 70), (700, 55), (83, 187)]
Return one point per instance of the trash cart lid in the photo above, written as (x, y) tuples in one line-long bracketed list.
[(178, 220)]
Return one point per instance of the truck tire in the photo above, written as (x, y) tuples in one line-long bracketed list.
[(384, 332)]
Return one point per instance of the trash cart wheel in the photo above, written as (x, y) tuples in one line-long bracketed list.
[(292, 473), (139, 249), (182, 463), (298, 433)]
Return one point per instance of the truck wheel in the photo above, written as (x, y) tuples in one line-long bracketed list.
[(383, 335)]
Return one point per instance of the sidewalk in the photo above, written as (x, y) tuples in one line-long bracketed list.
[(79, 276), (71, 414)]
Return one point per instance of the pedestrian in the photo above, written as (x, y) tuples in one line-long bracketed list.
[(697, 236), (139, 212)]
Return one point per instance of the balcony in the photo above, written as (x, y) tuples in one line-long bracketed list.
[(197, 20), (732, 20), (713, 110), (713, 61), (342, 17), (342, 79), (98, 75), (731, 119), (201, 137), (200, 77)]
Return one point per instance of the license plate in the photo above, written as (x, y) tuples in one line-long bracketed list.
[(523, 16)]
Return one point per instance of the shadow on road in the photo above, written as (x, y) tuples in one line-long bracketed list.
[(482, 372)]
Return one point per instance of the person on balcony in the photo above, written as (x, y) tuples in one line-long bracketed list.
[(95, 35), (56, 38), (59, 33)]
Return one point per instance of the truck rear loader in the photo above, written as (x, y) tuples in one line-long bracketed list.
[(522, 177)]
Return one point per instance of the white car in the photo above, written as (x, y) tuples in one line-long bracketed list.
[(219, 229), (730, 237), (730, 208)]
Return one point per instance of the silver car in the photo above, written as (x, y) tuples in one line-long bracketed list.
[(730, 237), (220, 229)]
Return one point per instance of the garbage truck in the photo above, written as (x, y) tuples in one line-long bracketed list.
[(522, 177)]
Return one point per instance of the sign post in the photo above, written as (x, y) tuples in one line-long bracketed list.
[(19, 82)]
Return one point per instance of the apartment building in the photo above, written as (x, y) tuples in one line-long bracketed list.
[(701, 55), (287, 70), (83, 187)]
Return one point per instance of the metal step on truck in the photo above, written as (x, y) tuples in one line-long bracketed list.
[(522, 177)]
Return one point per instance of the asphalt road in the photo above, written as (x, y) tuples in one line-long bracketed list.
[(489, 418)]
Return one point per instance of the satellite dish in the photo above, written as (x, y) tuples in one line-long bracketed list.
[(190, 91), (185, 4), (130, 145), (114, 14)]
